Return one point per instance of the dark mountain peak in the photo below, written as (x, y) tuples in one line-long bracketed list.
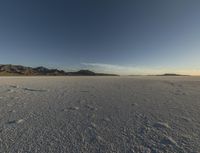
[(82, 73), (172, 74), (86, 72), (41, 69)]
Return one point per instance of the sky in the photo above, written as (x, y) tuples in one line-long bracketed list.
[(112, 36)]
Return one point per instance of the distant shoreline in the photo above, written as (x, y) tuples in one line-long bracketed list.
[(166, 74)]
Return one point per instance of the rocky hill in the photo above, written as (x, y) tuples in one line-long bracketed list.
[(18, 70)]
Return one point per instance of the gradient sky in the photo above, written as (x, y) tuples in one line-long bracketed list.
[(126, 37)]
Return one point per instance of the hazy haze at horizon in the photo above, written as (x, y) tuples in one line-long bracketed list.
[(126, 37)]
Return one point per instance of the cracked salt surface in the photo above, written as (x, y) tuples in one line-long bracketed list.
[(100, 114)]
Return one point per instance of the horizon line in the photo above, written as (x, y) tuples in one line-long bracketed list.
[(104, 65)]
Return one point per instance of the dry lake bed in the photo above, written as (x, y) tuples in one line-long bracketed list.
[(100, 114)]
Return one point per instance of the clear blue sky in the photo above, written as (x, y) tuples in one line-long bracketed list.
[(127, 36)]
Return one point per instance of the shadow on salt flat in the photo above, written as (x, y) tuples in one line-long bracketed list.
[(30, 89), (13, 123), (13, 86), (26, 89)]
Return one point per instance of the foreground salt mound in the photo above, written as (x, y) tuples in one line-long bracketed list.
[(161, 125), (100, 114), (169, 141)]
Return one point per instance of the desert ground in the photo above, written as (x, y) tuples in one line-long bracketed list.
[(100, 114)]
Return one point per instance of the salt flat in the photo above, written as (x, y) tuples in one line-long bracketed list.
[(99, 114)]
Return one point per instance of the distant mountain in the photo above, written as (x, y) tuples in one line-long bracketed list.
[(88, 73), (172, 74), (166, 74), (82, 72), (18, 70)]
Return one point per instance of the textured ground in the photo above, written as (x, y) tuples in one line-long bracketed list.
[(99, 114)]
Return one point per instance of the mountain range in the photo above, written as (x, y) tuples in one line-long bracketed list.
[(19, 70)]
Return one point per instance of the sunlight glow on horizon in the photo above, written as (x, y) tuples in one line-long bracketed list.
[(125, 70)]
